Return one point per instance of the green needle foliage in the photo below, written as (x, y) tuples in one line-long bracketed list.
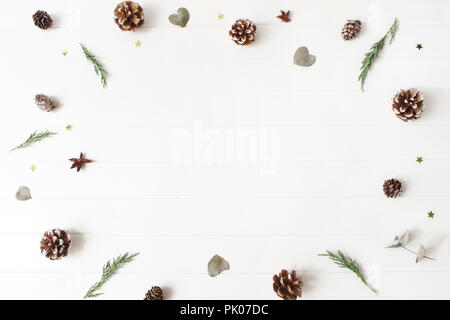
[(374, 51), (98, 67), (33, 138), (109, 269), (347, 263)]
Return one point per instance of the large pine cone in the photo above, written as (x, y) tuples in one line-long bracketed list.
[(351, 29), (408, 104), (42, 20), (287, 286), (392, 188), (129, 15), (243, 32), (45, 103), (155, 293), (55, 244)]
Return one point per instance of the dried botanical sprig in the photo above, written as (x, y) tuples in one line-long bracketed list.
[(109, 269), (33, 138), (348, 263), (402, 241), (98, 67), (374, 51)]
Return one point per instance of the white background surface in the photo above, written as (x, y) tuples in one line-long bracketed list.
[(330, 147)]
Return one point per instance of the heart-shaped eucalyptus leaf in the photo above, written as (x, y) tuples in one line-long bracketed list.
[(180, 18), (303, 58), (216, 265), (23, 194)]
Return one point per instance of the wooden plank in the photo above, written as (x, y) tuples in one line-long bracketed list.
[(317, 286), (209, 217), (200, 144), (246, 254)]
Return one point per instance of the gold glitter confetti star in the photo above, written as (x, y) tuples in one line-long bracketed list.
[(220, 16), (33, 167), (69, 127), (430, 214), (138, 43), (419, 159), (64, 53)]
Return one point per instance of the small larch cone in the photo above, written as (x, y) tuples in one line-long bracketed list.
[(408, 104), (45, 103), (55, 244), (392, 188), (351, 29), (287, 285), (42, 20), (243, 32), (155, 293), (129, 15)]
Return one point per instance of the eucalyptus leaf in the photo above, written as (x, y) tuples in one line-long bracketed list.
[(303, 58), (399, 241), (216, 265), (394, 244), (420, 253), (404, 238), (180, 18), (23, 194)]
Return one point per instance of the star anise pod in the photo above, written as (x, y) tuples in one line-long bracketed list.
[(78, 162), (284, 16)]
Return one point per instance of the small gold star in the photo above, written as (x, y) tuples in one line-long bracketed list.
[(69, 127), (33, 167), (64, 53), (430, 214), (138, 43), (220, 16), (419, 46), (419, 159)]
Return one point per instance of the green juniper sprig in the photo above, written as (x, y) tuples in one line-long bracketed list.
[(374, 51), (98, 67), (347, 263), (109, 269), (33, 138)]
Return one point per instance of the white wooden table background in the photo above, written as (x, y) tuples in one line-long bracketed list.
[(331, 148)]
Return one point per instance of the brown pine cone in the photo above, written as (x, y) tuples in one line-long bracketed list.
[(55, 244), (155, 293), (351, 29), (408, 104), (42, 20), (287, 286), (44, 102), (243, 32), (129, 15), (392, 188)]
